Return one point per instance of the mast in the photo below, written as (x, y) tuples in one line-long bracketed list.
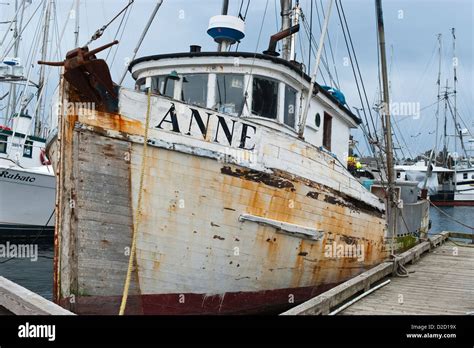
[(76, 28), (11, 106), (224, 12), (391, 207), (286, 6), (445, 128), (294, 37), (304, 115), (439, 90), (44, 55), (455, 79)]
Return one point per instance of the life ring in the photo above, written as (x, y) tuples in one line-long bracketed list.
[(43, 158)]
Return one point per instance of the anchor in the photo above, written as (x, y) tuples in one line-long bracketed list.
[(90, 76)]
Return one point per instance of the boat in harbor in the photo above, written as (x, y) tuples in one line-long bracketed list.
[(216, 185), (27, 181)]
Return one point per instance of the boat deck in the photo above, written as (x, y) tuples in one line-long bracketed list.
[(440, 281)]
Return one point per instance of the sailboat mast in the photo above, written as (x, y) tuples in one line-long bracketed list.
[(388, 126), (42, 73), (286, 6)]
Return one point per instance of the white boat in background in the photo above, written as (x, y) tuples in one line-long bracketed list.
[(27, 183)]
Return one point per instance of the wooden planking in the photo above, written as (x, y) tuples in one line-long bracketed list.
[(21, 301), (441, 283), (104, 219)]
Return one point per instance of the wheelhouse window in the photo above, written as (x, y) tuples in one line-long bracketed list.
[(163, 85), (290, 106), (140, 85), (3, 143), (230, 93), (265, 97), (195, 89), (28, 149), (327, 131)]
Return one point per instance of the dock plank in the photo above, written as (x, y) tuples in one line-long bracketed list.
[(441, 283)]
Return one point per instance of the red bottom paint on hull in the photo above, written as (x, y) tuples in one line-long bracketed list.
[(261, 302)]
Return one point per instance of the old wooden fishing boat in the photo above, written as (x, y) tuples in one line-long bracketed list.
[(231, 208)]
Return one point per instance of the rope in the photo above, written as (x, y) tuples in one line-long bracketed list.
[(123, 305), (450, 217)]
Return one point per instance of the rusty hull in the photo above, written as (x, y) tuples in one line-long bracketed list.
[(190, 239)]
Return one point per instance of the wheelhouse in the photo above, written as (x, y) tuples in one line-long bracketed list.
[(267, 90)]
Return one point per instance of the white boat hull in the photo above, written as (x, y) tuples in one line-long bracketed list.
[(26, 200)]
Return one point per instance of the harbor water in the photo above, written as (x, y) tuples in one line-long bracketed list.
[(38, 275)]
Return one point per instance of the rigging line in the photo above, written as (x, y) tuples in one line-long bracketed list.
[(371, 139), (22, 30), (244, 101), (121, 35), (311, 35), (324, 47), (456, 130), (450, 217), (323, 61), (101, 31), (11, 22), (314, 49), (117, 33), (30, 58), (244, 17), (357, 64), (331, 50)]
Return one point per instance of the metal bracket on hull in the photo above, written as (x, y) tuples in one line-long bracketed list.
[(285, 227)]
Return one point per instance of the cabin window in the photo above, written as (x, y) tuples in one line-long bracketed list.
[(290, 106), (230, 93), (195, 89), (265, 97), (3, 143), (464, 176), (140, 85), (327, 131), (163, 85), (28, 149)]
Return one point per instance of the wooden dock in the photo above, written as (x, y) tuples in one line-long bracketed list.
[(17, 300), (440, 281)]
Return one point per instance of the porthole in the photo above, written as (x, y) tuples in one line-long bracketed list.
[(317, 120)]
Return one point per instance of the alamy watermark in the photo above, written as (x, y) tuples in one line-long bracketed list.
[(412, 109), (87, 109), (19, 251), (341, 251)]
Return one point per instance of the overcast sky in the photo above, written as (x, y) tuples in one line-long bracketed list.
[(411, 28)]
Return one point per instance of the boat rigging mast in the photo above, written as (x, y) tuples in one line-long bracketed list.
[(391, 199)]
